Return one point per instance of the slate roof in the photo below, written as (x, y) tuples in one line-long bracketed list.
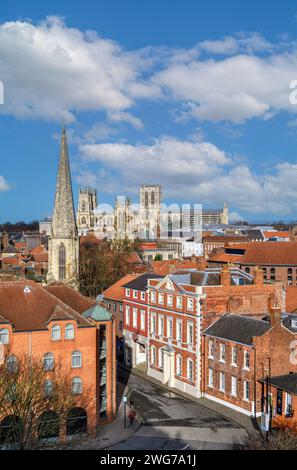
[(287, 322), (140, 283), (211, 277), (238, 328), (253, 234), (116, 291), (287, 382)]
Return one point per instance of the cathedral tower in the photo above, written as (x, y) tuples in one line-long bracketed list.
[(63, 242)]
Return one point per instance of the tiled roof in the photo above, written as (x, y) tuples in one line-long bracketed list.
[(11, 260), (29, 306), (70, 297), (40, 257), (291, 299), (278, 234), (224, 258), (168, 266), (224, 239), (273, 253), (38, 249), (287, 382), (238, 328), (140, 283), (116, 291)]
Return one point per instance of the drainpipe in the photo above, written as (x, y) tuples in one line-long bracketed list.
[(255, 384)]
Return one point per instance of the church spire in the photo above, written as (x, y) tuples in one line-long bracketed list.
[(64, 224)]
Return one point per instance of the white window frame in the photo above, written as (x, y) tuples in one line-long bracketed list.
[(153, 355), (233, 386), (221, 381), (56, 329), (134, 317), (48, 361), (135, 294), (127, 315), (288, 404), (246, 355), (210, 348), (170, 327), (222, 348), (127, 292), (190, 376), (210, 377), (161, 325), (142, 295), (234, 350), (246, 387), (178, 365), (161, 298), (153, 323), (142, 319), (76, 386), (68, 328), (76, 354), (169, 300), (4, 332), (161, 358), (179, 329), (179, 302), (190, 326), (153, 297), (190, 303)]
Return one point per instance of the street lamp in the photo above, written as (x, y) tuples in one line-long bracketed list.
[(125, 413)]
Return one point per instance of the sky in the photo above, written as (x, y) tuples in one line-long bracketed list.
[(192, 95)]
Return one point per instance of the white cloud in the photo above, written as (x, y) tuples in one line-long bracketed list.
[(196, 171), (120, 116), (4, 185), (241, 42)]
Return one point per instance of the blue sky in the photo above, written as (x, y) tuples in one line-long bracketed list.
[(191, 95)]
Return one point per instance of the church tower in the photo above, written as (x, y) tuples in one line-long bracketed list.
[(63, 242)]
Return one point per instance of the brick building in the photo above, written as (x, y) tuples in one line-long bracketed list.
[(55, 324), (239, 351), (214, 242)]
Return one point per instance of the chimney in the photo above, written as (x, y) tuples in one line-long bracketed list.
[(171, 268), (258, 276), (225, 276), (274, 310)]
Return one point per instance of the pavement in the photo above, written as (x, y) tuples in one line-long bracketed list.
[(167, 420)]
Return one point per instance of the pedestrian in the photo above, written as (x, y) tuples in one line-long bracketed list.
[(132, 413)]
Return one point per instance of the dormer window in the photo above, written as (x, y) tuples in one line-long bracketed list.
[(4, 336), (69, 331), (294, 323), (127, 292), (56, 333)]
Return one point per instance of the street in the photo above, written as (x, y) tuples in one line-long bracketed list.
[(171, 422)]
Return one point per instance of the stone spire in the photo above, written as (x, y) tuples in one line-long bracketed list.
[(64, 224)]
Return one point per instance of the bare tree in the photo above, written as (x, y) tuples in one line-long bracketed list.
[(34, 401)]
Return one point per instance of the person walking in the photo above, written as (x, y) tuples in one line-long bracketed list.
[(132, 413)]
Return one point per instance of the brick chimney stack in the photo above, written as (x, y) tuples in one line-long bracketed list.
[(225, 276), (274, 310), (258, 276)]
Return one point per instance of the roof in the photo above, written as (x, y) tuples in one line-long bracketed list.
[(224, 239), (10, 249), (287, 382), (291, 299), (224, 258), (165, 267), (270, 253), (40, 257), (29, 306), (253, 234), (277, 233), (11, 260), (287, 322), (70, 296), (238, 328), (140, 283), (38, 249), (116, 291), (211, 277), (97, 313)]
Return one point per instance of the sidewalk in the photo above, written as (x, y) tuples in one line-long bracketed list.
[(242, 420)]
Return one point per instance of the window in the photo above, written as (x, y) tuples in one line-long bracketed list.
[(272, 274), (56, 333), (62, 262), (153, 355), (179, 302), (210, 377), (69, 331), (48, 361), (153, 297), (4, 336), (234, 356), (222, 352), (114, 307), (142, 320), (222, 381), (76, 359), (246, 390), (288, 404), (190, 333), (142, 295), (127, 315), (264, 273), (190, 304), (121, 307), (127, 292), (246, 360), (134, 317), (135, 294), (161, 326), (153, 323), (179, 330), (247, 270), (233, 386), (290, 275), (169, 328), (76, 386), (178, 365), (161, 359), (210, 348), (12, 364), (48, 388), (169, 300), (190, 369), (161, 298)]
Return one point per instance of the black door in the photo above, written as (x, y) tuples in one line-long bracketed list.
[(279, 402)]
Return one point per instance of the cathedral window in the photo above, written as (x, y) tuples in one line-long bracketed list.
[(83, 221), (62, 262), (83, 206)]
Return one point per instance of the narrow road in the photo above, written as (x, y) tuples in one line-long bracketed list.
[(172, 422)]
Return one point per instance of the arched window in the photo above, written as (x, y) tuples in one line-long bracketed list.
[(4, 336), (48, 388), (48, 361), (62, 262), (153, 355), (76, 359), (76, 386), (272, 274), (190, 369), (290, 275), (264, 273), (12, 364), (178, 365), (153, 198), (146, 199), (56, 333), (83, 221), (83, 206), (69, 331)]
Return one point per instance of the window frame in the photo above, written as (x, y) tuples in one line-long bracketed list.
[(4, 332), (72, 329), (56, 328), (75, 354)]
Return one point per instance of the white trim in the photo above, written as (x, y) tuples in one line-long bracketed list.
[(230, 405)]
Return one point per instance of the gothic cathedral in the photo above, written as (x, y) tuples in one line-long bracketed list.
[(63, 242)]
